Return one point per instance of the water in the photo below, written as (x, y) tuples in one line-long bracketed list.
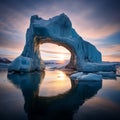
[(51, 95)]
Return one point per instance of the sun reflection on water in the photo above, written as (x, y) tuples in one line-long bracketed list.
[(55, 83)]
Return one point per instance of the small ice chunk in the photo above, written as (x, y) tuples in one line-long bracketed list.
[(21, 63), (90, 77), (76, 75)]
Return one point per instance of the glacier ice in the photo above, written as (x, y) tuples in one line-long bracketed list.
[(57, 30), (91, 77), (24, 64), (76, 75), (80, 76)]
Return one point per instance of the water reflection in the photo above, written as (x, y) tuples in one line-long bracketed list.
[(55, 82), (29, 85), (58, 107)]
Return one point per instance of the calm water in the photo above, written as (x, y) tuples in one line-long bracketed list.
[(51, 95)]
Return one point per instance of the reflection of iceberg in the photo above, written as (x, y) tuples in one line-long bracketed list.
[(55, 82), (29, 85), (58, 107)]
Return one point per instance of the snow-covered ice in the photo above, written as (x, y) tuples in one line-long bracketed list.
[(76, 75), (91, 77), (80, 76), (23, 64)]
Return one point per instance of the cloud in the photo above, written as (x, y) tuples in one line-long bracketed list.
[(54, 55), (53, 52), (112, 58), (6, 42), (98, 33), (89, 18), (111, 40), (59, 52), (110, 53), (10, 47), (9, 53), (110, 49), (48, 47), (96, 21)]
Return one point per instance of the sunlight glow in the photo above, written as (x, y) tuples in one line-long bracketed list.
[(61, 75), (55, 83), (51, 51), (62, 57)]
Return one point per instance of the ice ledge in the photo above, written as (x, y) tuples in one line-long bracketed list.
[(95, 67)]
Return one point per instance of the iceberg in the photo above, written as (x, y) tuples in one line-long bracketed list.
[(80, 76), (75, 76), (23, 64), (91, 77), (57, 30), (95, 67)]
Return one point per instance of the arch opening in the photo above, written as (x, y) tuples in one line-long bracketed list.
[(54, 55), (68, 54)]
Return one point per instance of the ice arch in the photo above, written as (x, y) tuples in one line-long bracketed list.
[(56, 30), (60, 43)]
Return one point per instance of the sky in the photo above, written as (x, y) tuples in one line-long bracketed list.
[(96, 21)]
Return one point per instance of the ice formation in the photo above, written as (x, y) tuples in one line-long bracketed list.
[(90, 77), (80, 76), (57, 30), (76, 75)]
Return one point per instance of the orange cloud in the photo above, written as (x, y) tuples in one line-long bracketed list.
[(111, 49), (111, 58), (111, 53), (91, 30)]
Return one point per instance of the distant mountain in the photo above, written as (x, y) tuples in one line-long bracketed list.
[(4, 60)]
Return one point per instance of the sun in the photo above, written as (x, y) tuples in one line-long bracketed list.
[(62, 57)]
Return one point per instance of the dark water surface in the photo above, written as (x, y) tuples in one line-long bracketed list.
[(51, 95)]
